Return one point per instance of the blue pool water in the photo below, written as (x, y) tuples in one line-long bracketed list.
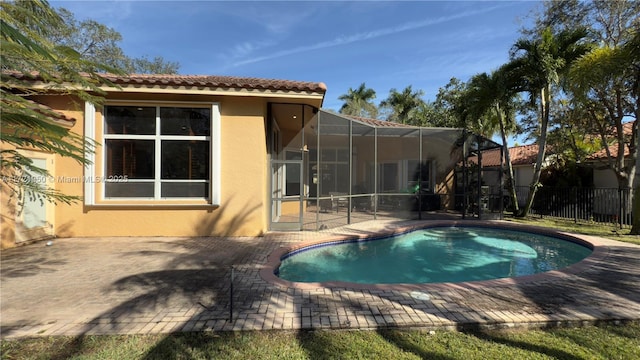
[(445, 254)]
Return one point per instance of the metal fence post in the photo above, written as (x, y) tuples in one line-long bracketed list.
[(620, 208), (575, 205)]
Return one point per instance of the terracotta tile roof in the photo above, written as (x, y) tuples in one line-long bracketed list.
[(52, 114), (226, 82), (56, 116), (526, 154), (627, 130), (602, 154), (212, 81), (520, 155)]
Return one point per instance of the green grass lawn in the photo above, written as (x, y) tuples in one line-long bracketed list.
[(608, 231), (607, 341), (591, 342)]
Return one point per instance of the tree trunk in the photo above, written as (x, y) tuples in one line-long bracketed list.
[(635, 209), (542, 145), (512, 181)]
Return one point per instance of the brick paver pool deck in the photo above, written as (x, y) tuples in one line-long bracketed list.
[(161, 285)]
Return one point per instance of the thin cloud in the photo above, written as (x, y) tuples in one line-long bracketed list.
[(112, 14), (245, 48), (345, 40), (277, 18)]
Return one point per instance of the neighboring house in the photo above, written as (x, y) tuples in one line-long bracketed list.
[(603, 176), (228, 156), (523, 160)]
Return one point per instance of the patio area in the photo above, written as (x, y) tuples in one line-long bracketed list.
[(160, 285)]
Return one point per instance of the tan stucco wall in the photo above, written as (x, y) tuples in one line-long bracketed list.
[(244, 206), (243, 189), (7, 217), (11, 207)]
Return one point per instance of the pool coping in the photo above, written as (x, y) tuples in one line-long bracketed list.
[(599, 253)]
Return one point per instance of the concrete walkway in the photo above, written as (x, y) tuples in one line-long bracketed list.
[(161, 285)]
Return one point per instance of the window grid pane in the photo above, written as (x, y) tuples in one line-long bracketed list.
[(185, 121), (185, 160), (183, 137), (130, 120), (131, 158)]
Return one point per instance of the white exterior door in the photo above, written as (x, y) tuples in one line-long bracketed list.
[(35, 218)]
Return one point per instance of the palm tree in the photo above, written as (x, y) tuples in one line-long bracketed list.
[(495, 95), (539, 63), (403, 104), (359, 102)]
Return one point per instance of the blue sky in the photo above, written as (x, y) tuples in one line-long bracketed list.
[(384, 44)]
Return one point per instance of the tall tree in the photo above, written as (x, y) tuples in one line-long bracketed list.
[(602, 82), (631, 52), (493, 97), (540, 63), (599, 83), (426, 115), (359, 102), (100, 43), (608, 22), (448, 105), (403, 104), (28, 55)]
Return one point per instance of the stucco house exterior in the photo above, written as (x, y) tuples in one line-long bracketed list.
[(176, 156), (184, 155)]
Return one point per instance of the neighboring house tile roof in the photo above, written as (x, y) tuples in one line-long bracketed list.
[(520, 155), (211, 81), (602, 154), (527, 154), (627, 130), (523, 155)]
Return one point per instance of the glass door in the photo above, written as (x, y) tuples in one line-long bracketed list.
[(287, 189)]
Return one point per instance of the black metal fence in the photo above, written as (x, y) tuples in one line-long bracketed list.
[(607, 206)]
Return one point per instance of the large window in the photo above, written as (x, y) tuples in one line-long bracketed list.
[(334, 170), (157, 152), (405, 175)]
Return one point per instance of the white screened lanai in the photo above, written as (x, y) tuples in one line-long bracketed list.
[(328, 170)]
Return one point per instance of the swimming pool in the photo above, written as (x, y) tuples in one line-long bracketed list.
[(432, 255)]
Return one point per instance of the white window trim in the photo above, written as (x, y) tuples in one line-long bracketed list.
[(90, 168), (215, 189), (215, 193)]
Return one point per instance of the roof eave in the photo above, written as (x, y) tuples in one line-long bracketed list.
[(200, 90)]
